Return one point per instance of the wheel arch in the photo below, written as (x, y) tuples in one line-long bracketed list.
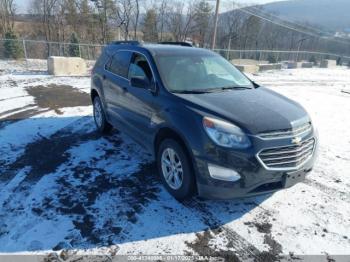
[(169, 133), (93, 94)]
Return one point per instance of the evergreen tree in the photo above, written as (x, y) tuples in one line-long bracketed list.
[(150, 33), (74, 46), (12, 47), (203, 12), (313, 59), (339, 61), (272, 59)]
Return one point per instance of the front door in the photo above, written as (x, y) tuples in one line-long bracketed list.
[(143, 103)]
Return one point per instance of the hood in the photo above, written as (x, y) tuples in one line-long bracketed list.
[(254, 110)]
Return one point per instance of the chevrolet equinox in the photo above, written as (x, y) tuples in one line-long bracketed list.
[(212, 131)]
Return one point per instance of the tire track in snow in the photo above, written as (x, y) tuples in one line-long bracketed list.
[(328, 191), (243, 249), (6, 114), (52, 156), (21, 115), (44, 155)]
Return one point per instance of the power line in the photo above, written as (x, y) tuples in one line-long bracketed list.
[(285, 20), (244, 10), (293, 22)]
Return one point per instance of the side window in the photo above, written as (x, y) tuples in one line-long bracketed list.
[(119, 63), (139, 68), (136, 71)]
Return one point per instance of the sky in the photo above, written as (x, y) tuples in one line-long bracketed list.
[(22, 5)]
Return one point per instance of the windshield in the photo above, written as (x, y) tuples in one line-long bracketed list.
[(199, 73)]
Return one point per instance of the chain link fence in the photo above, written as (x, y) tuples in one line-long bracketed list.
[(36, 49), (274, 56), (34, 53)]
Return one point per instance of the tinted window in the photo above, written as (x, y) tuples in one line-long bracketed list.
[(139, 68), (101, 60), (136, 72), (199, 72), (119, 63)]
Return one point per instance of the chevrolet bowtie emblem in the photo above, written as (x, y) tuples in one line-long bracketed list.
[(296, 140)]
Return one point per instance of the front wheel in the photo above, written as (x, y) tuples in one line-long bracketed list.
[(99, 116), (175, 170)]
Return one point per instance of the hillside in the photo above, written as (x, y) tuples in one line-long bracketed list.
[(330, 14)]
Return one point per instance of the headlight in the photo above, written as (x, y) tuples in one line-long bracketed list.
[(225, 134)]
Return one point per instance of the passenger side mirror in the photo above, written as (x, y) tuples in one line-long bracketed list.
[(142, 83)]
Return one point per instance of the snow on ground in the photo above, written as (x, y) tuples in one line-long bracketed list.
[(65, 187)]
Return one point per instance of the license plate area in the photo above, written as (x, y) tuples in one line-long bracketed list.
[(292, 178)]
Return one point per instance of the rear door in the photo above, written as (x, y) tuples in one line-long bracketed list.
[(116, 84)]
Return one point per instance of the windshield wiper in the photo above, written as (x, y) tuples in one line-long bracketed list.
[(211, 90), (234, 87), (192, 91)]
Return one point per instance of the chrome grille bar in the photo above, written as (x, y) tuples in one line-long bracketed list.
[(290, 161), (306, 128), (287, 157), (288, 150)]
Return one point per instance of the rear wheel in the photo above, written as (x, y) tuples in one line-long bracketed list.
[(99, 116), (174, 169)]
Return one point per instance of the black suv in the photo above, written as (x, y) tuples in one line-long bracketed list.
[(212, 131)]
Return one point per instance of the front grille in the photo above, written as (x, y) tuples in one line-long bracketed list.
[(291, 132), (289, 157)]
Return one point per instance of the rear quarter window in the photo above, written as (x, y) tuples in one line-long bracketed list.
[(119, 63), (101, 61)]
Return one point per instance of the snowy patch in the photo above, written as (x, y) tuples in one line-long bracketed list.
[(63, 186)]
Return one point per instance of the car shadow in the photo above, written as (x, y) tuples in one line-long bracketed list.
[(64, 186)]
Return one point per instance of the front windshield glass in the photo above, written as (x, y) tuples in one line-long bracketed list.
[(199, 73)]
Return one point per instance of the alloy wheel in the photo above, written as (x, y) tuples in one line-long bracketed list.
[(172, 168), (98, 113)]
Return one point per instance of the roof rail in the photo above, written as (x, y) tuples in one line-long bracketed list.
[(126, 43), (176, 43)]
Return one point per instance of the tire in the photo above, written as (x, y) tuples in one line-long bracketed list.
[(99, 117), (170, 169)]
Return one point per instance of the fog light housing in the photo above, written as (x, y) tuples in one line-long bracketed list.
[(222, 173)]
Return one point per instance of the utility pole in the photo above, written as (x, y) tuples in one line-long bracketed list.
[(300, 42), (213, 43)]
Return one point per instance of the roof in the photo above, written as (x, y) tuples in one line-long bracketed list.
[(161, 49)]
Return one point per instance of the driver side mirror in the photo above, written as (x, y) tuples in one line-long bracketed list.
[(142, 83)]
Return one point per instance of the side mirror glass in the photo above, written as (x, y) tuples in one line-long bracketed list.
[(142, 83)]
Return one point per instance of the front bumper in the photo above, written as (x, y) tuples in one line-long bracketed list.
[(255, 178)]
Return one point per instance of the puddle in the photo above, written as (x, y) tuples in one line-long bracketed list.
[(58, 96)]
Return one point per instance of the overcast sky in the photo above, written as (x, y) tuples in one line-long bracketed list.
[(22, 5)]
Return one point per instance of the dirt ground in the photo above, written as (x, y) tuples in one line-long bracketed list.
[(65, 187)]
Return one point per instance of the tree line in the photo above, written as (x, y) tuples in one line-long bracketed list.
[(103, 21)]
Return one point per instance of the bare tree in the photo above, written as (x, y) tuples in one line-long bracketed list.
[(124, 15), (137, 17), (106, 10), (87, 22), (71, 14), (180, 20), (7, 16), (45, 10), (162, 17)]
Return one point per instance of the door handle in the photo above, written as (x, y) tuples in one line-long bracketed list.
[(125, 89), (104, 77)]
